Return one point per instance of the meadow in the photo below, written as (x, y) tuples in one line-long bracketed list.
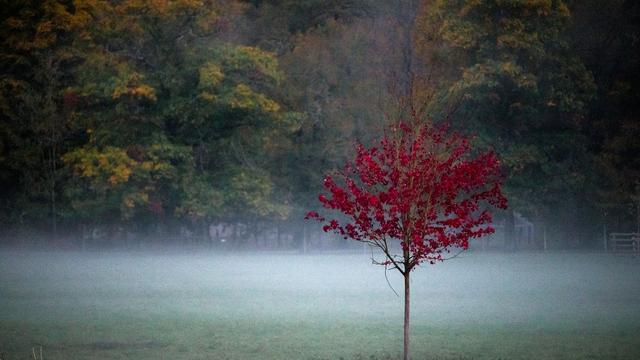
[(318, 306)]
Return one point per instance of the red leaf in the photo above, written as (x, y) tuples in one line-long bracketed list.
[(422, 187)]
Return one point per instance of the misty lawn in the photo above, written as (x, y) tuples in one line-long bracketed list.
[(320, 306)]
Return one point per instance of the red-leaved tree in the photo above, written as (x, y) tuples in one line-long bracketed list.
[(420, 193)]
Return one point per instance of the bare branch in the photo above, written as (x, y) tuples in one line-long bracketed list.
[(385, 249), (455, 256), (388, 283)]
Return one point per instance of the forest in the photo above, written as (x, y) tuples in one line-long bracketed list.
[(159, 121)]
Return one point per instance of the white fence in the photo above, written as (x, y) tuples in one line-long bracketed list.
[(624, 243)]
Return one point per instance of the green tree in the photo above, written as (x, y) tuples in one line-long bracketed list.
[(605, 35), (180, 107), (514, 81), (35, 57)]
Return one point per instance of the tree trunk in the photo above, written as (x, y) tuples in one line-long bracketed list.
[(510, 231), (206, 235), (406, 315), (84, 237), (304, 239), (54, 210)]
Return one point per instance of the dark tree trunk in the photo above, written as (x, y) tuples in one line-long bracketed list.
[(406, 315), (206, 236), (304, 239), (277, 240), (83, 237), (510, 231), (234, 236)]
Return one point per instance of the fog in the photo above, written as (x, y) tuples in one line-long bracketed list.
[(158, 160), (326, 305)]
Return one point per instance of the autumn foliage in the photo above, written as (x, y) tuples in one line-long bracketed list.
[(422, 186)]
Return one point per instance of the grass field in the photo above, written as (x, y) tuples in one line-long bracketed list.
[(289, 306)]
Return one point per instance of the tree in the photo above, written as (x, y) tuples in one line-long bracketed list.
[(605, 35), (513, 80), (273, 22), (137, 115), (424, 188), (179, 112), (35, 58)]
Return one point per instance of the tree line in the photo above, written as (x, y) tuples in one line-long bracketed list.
[(152, 117)]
